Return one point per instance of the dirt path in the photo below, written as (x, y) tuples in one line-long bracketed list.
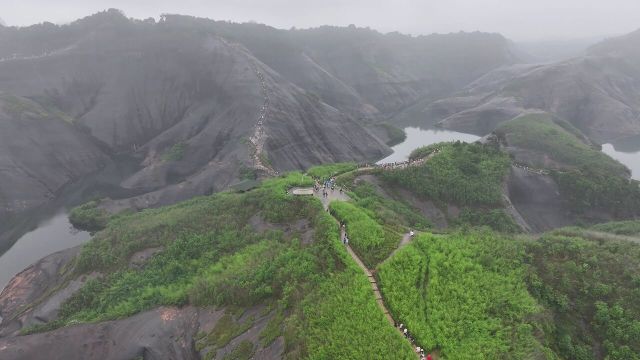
[(406, 240), (258, 137)]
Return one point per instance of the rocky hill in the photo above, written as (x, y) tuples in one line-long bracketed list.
[(203, 104), (597, 93)]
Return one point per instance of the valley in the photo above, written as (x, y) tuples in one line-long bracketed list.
[(162, 194)]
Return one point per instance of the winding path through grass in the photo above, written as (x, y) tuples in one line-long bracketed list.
[(336, 195)]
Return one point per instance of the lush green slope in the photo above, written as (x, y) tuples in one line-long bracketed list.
[(212, 255), (465, 174), (465, 295), (592, 288)]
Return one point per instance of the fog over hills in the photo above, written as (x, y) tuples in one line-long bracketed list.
[(204, 189), (596, 92), (199, 87)]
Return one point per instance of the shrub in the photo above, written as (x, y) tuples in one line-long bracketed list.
[(89, 217)]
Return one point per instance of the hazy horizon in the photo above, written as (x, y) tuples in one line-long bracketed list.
[(517, 20)]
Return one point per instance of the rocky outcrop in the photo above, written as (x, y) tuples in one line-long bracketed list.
[(20, 299), (537, 199), (164, 333)]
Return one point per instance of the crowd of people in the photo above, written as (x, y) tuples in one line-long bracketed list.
[(326, 186), (530, 169), (420, 351), (399, 164)]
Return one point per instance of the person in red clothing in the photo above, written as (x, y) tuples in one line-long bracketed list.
[(429, 357)]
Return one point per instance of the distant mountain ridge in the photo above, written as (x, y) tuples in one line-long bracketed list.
[(597, 93), (203, 104)]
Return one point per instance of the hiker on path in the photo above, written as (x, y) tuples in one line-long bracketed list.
[(411, 233)]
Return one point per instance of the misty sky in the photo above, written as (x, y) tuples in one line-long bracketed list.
[(517, 19)]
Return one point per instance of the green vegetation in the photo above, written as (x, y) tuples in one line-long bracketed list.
[(466, 174), (243, 351), (371, 241), (592, 289), (212, 257), (247, 173), (329, 170), (394, 134), (629, 227), (559, 140), (465, 295), (175, 152), (89, 217), (394, 215), (344, 322), (496, 219), (587, 177), (586, 190), (225, 330)]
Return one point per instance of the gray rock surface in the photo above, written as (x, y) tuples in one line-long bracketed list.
[(537, 199), (28, 289), (164, 333)]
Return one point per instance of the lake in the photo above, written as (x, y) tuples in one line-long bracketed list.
[(417, 137), (51, 235), (631, 158)]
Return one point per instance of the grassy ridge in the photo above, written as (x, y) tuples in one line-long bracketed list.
[(587, 177), (540, 133), (465, 174)]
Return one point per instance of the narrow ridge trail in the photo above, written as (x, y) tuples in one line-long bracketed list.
[(335, 195)]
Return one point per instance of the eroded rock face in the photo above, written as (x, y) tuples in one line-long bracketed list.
[(19, 299), (39, 153), (537, 199), (164, 333)]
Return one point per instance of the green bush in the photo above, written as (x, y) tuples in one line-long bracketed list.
[(175, 152), (394, 134), (89, 217)]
